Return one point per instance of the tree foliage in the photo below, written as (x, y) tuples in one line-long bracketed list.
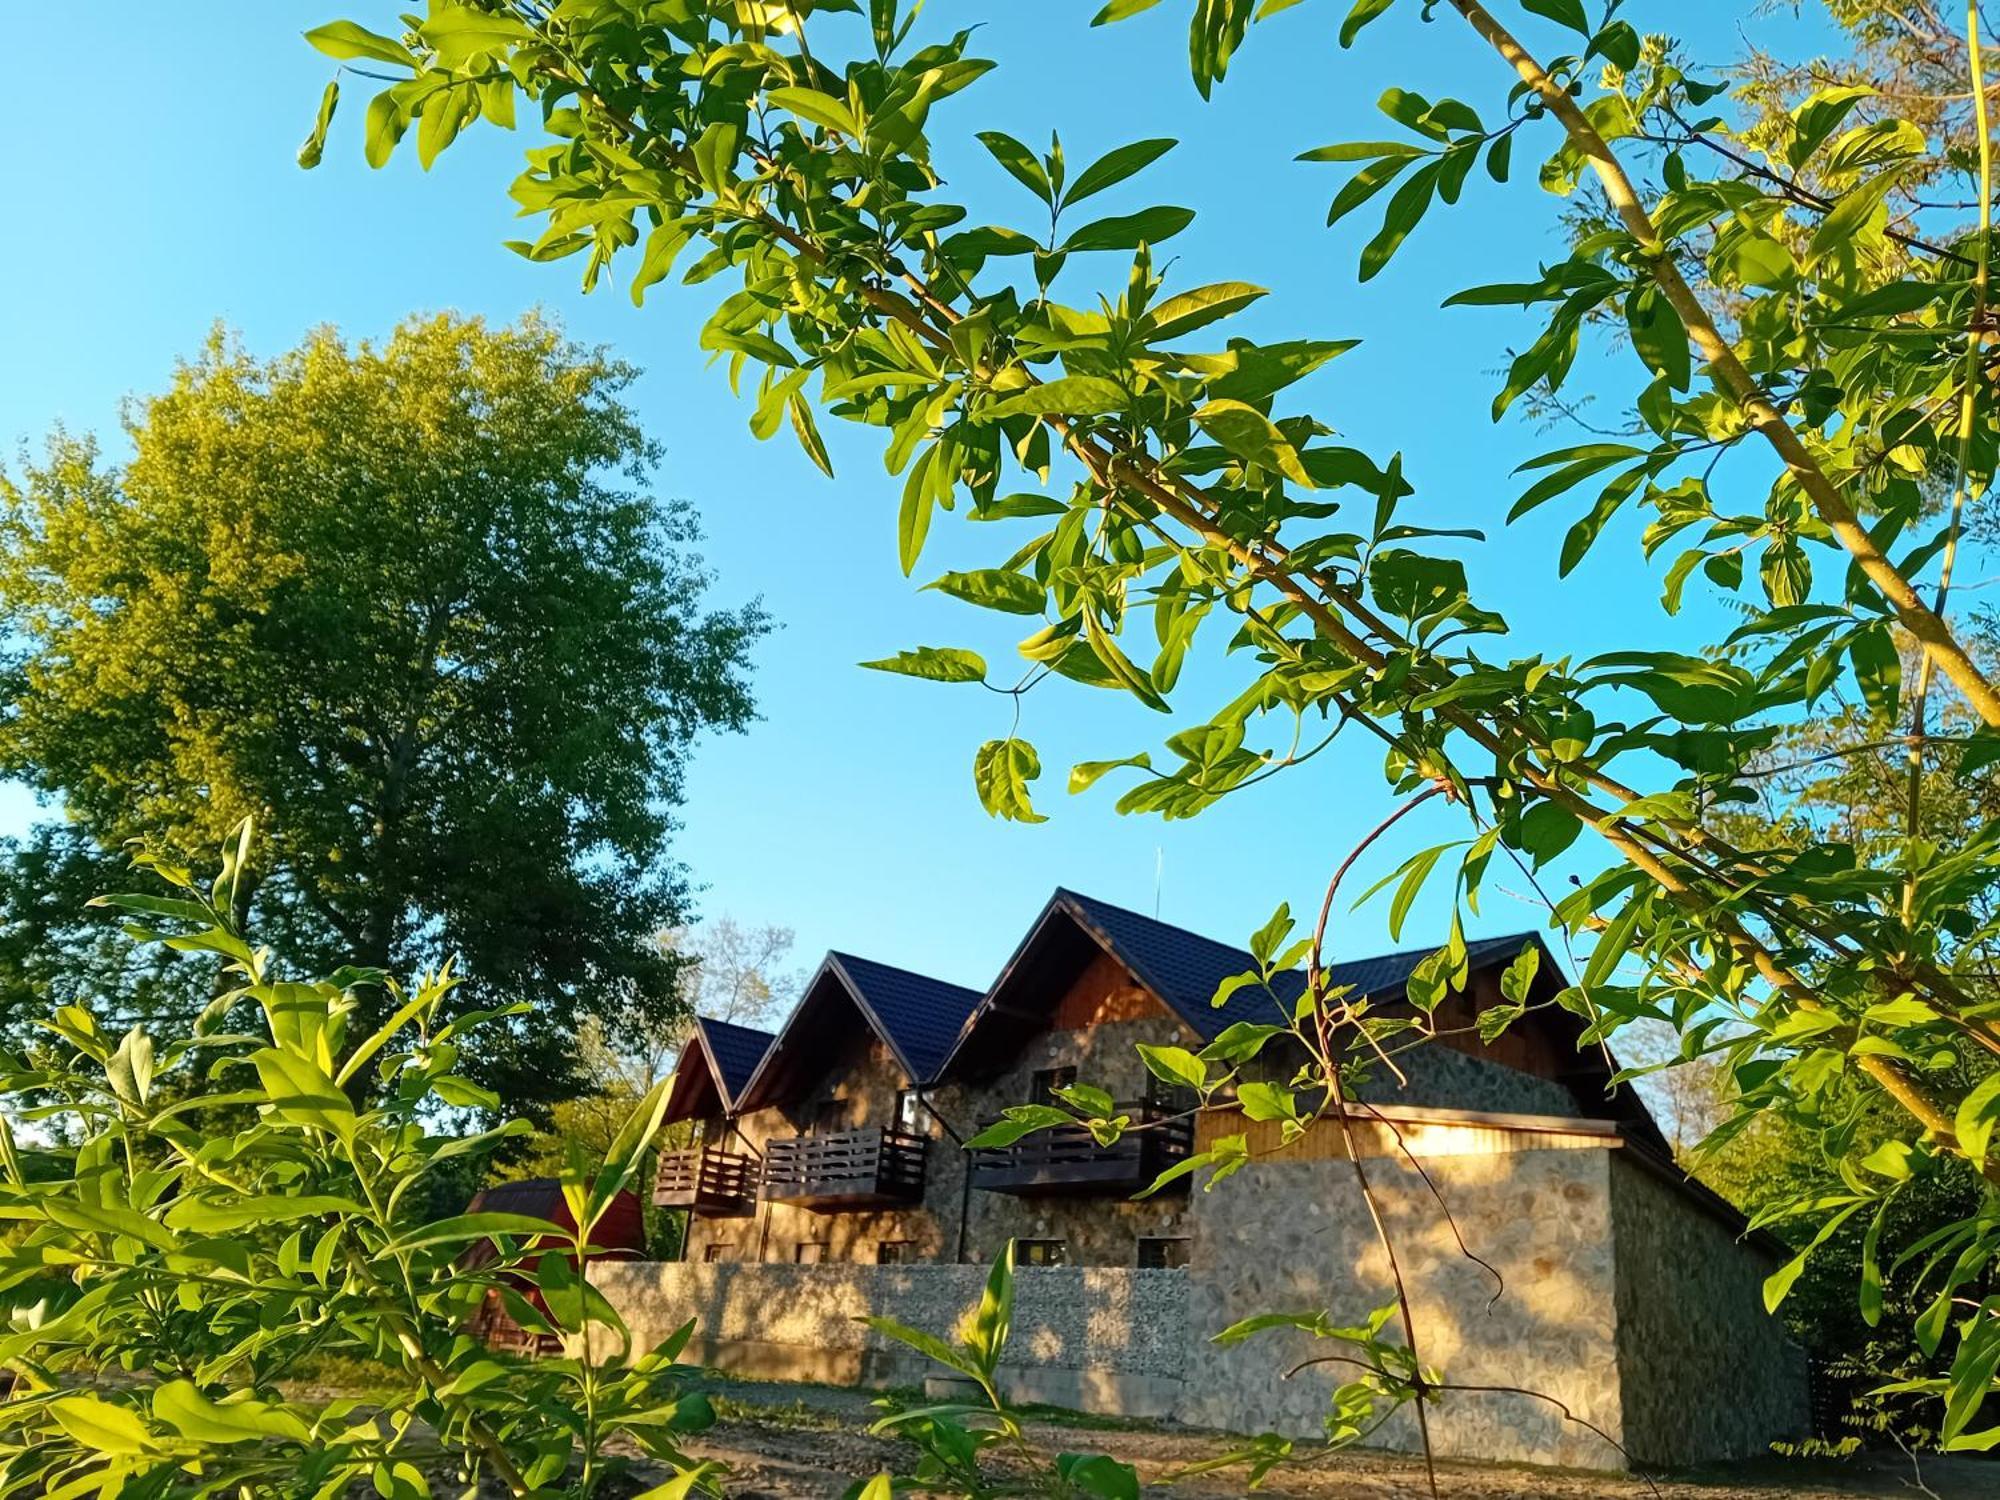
[(411, 606), (226, 1216), (1813, 413)]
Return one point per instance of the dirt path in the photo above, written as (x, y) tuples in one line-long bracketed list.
[(789, 1442)]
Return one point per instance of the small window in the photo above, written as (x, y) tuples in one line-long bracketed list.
[(911, 1112), (711, 1254), (895, 1252), (1162, 1253), (829, 1117), (1041, 1252), (1042, 1088), (808, 1252)]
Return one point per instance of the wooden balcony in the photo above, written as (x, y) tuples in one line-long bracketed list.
[(707, 1181), (1069, 1161), (827, 1174)]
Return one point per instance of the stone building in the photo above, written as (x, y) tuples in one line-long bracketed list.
[(1618, 1302)]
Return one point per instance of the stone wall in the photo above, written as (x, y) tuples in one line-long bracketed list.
[(1294, 1236), (1707, 1373), (1096, 1338)]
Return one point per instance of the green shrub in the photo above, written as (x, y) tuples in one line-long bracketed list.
[(247, 1203)]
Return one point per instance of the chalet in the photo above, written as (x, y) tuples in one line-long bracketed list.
[(828, 1181)]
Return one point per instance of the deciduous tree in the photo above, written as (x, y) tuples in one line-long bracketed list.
[(412, 605)]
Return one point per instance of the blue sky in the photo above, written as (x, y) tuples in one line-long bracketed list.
[(153, 191)]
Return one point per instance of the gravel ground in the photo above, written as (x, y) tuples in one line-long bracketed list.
[(791, 1442)]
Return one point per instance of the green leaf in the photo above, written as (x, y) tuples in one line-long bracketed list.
[(927, 1344), (1978, 1114), (1816, 118), (1364, 11), (994, 588), (1069, 396), (1406, 209), (1364, 185), (1087, 773), (1174, 1065), (1878, 669), (1118, 10), (621, 1161), (1127, 673), (1018, 1121), (1001, 771), (1114, 167), (934, 664), (210, 1216), (1266, 1101), (818, 108), (464, 1228), (993, 1319), (313, 150), (345, 40), (101, 1426), (1149, 226), (1658, 335), (1563, 12), (180, 1405), (1181, 315), (1412, 586), (1251, 436), (1021, 163), (300, 1091), (382, 127)]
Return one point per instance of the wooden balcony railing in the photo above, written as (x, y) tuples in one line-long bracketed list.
[(708, 1181), (853, 1169), (1068, 1160)]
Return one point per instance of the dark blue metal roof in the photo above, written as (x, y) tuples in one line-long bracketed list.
[(919, 1017), (735, 1051), (1185, 969)]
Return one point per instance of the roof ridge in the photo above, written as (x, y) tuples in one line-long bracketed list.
[(702, 1020), (843, 957), (1202, 937)]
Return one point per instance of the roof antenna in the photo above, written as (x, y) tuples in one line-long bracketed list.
[(1159, 874)]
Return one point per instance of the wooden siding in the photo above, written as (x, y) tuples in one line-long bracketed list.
[(1104, 992)]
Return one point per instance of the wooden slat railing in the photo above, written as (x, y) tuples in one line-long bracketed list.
[(1068, 1159), (852, 1168), (706, 1179)]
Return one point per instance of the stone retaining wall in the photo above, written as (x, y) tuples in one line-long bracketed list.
[(1103, 1339)]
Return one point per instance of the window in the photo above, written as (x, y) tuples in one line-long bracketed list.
[(1041, 1252), (808, 1252), (895, 1252), (711, 1254), (1162, 1253), (829, 1117), (911, 1111), (1042, 1087)]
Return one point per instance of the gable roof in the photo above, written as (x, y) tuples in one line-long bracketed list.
[(714, 1066), (1185, 969), (733, 1051), (917, 1017)]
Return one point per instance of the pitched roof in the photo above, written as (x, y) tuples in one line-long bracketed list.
[(733, 1051), (917, 1017), (1185, 969), (713, 1068)]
